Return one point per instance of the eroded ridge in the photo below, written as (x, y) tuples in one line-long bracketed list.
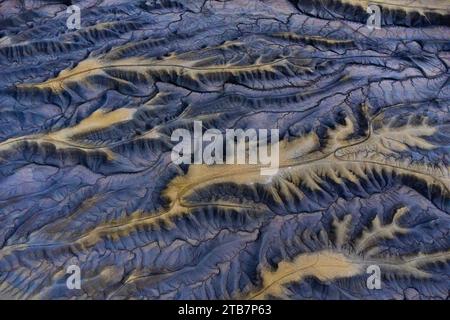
[(86, 176)]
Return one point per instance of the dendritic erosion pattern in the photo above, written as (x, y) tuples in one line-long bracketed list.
[(86, 176)]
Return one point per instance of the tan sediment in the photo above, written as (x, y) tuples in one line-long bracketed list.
[(300, 164), (63, 139), (324, 265)]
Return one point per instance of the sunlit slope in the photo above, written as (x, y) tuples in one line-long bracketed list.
[(86, 176)]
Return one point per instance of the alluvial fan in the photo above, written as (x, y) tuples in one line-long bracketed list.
[(358, 209)]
